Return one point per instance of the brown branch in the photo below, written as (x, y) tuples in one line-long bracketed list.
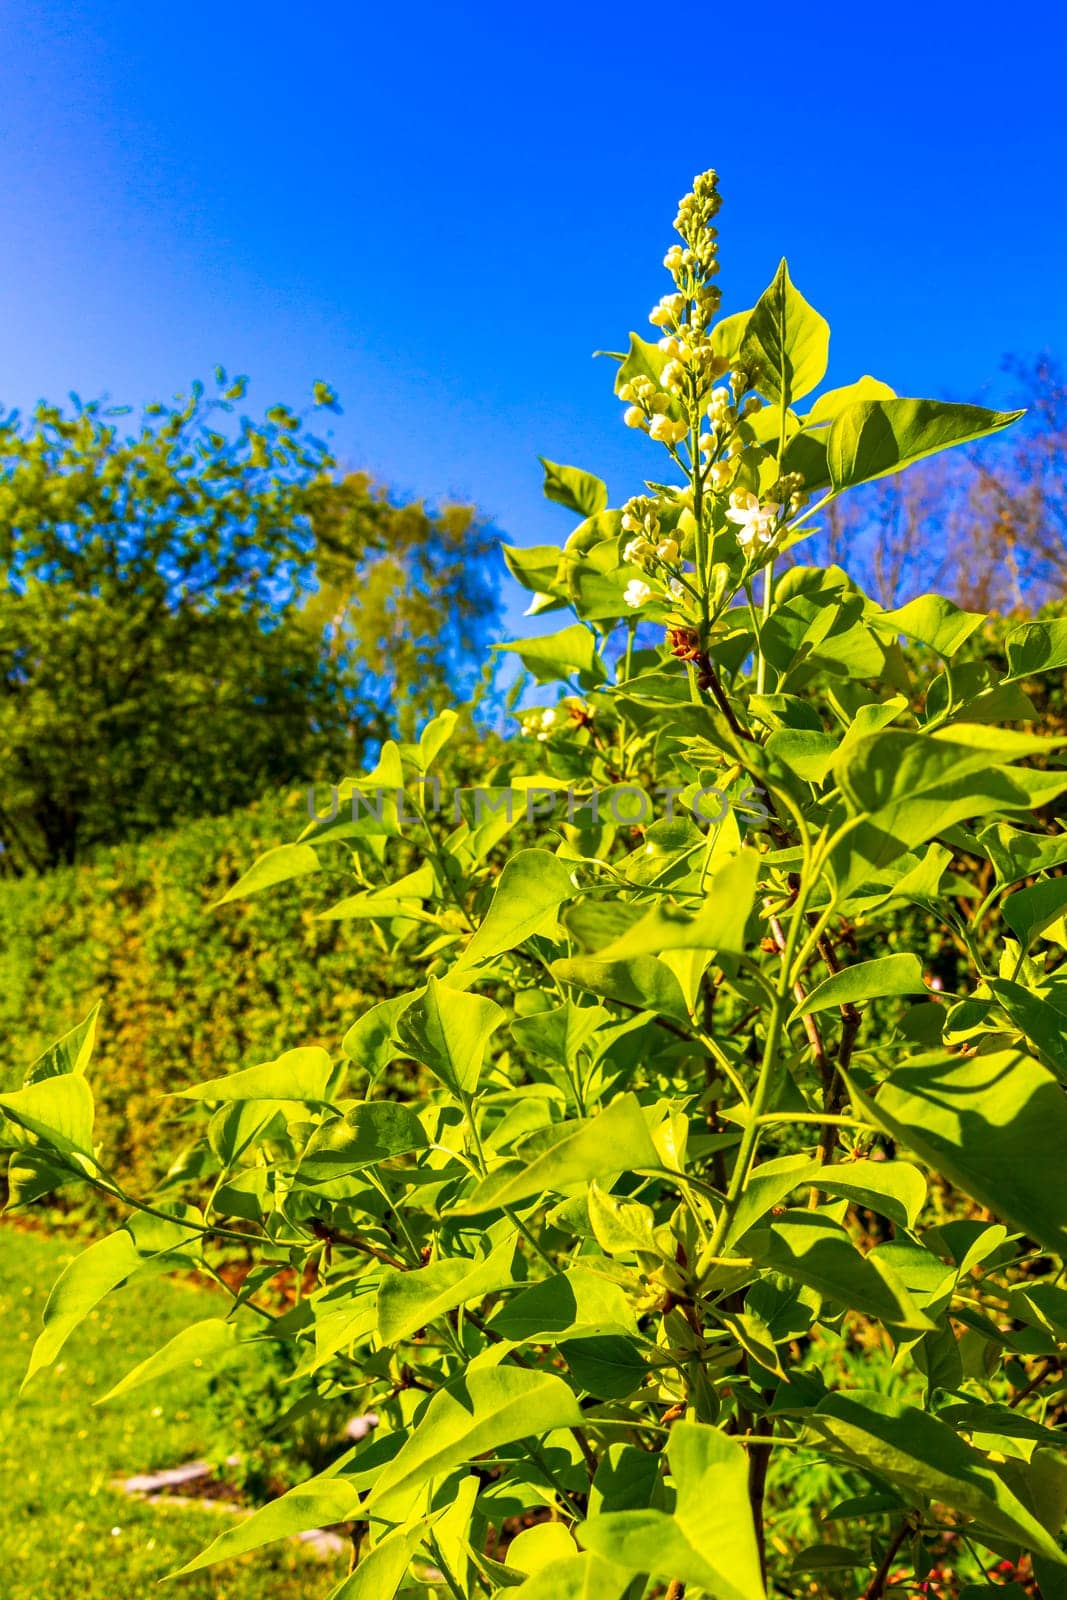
[(834, 1082), (347, 1241), (708, 678), (1035, 1382), (876, 1588)]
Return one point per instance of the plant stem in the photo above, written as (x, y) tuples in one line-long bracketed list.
[(876, 1588), (746, 1155), (768, 600)]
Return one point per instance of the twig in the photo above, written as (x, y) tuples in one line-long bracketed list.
[(876, 1588), (1035, 1382)]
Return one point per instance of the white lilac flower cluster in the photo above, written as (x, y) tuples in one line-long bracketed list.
[(655, 552), (682, 407), (544, 721)]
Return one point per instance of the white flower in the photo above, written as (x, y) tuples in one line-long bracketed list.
[(667, 549), (634, 417), (669, 345), (547, 720), (664, 431), (636, 592), (756, 524), (672, 375), (676, 588), (636, 551), (720, 475)]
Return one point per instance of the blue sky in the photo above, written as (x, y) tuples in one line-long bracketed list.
[(444, 209)]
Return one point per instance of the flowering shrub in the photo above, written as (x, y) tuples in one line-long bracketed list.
[(679, 1163)]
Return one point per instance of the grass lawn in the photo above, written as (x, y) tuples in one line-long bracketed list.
[(65, 1533)]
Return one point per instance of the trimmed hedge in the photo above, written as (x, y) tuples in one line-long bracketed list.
[(187, 992)]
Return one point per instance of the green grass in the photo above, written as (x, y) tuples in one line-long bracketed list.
[(66, 1534)]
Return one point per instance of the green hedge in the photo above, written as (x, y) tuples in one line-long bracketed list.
[(187, 992)]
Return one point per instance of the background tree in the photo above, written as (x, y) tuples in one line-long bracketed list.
[(988, 527), (198, 609)]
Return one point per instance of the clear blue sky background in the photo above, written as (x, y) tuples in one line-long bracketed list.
[(444, 209)]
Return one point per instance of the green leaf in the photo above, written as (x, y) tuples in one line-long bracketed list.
[(535, 567), (627, 1479), (1017, 854), (365, 1135), (296, 1075), (936, 622), (280, 865), (606, 1365), (30, 1176), (571, 487), (529, 893), (207, 1342), (914, 786), (58, 1110), (873, 438), (383, 1569), (643, 360), (895, 1189), (786, 343), (709, 1540), (554, 656), (621, 1227), (769, 1184), (615, 1141), (1036, 647), (995, 1125), (81, 1285), (1041, 1021), (867, 980), (448, 1031), (408, 1301), (486, 1408), (815, 1250), (916, 1452), (833, 401), (728, 335), (718, 925), (369, 1041), (581, 1577), (573, 1300), (437, 733), (70, 1054), (534, 1548), (805, 751), (1028, 912), (314, 1504), (643, 983)]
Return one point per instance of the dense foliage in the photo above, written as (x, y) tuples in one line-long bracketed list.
[(181, 987), (200, 609), (693, 1133)]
